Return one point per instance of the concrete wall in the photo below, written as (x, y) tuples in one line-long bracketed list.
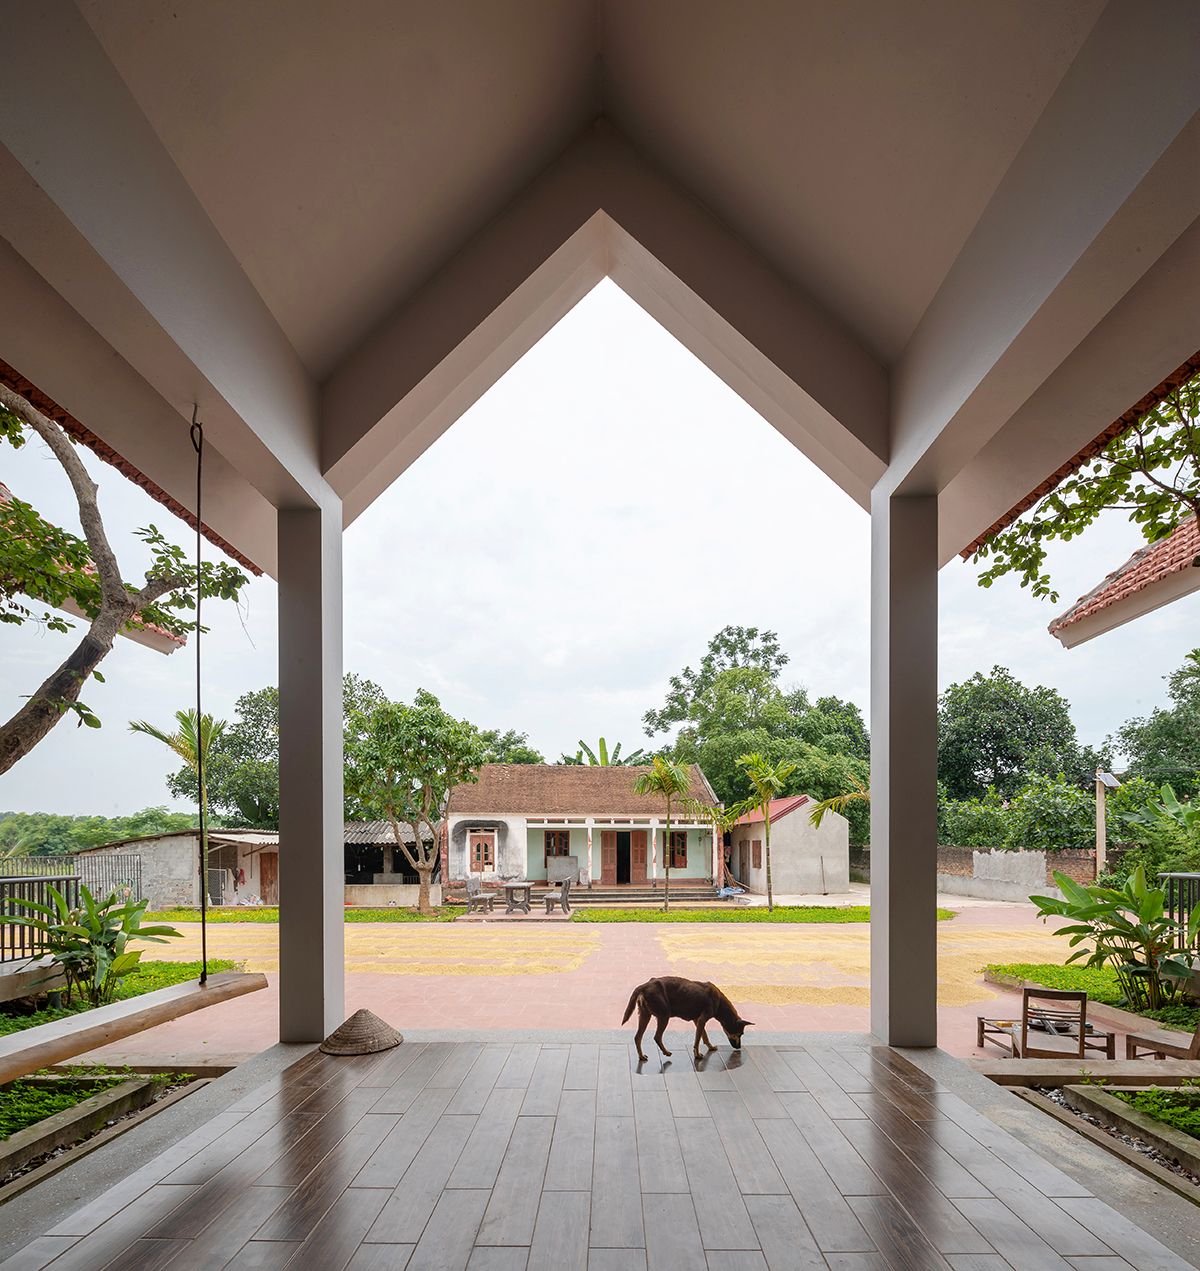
[(804, 859), (535, 850), (1000, 874), (170, 869), (386, 895)]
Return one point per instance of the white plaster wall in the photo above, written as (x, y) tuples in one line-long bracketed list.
[(804, 859), (510, 846)]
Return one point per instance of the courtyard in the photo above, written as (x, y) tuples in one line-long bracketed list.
[(538, 975)]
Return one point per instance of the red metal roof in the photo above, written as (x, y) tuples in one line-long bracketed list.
[(779, 808), (1148, 565)]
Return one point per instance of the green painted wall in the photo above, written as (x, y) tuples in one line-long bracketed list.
[(699, 852), (536, 850)]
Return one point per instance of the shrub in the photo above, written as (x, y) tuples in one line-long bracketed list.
[(1128, 930), (974, 822), (90, 942)]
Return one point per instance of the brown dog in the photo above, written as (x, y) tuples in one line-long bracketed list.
[(668, 996)]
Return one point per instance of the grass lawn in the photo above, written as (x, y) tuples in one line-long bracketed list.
[(1171, 1107), (1099, 983), (148, 977), (781, 913), (270, 913)]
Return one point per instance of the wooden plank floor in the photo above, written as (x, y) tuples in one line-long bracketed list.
[(482, 1156)]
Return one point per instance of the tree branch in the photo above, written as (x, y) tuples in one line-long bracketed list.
[(112, 587)]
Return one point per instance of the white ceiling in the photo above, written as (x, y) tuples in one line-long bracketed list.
[(345, 152)]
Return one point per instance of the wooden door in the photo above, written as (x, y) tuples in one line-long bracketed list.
[(608, 856), (268, 875), (482, 850), (638, 842)]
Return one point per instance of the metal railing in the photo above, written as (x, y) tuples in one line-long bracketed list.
[(102, 873), (1183, 895), (16, 940)]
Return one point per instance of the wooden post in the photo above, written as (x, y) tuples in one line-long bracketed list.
[(1101, 825)]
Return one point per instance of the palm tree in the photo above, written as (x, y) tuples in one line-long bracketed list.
[(671, 780), (192, 741), (768, 781), (838, 803)]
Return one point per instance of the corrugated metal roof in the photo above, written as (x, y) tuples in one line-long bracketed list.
[(377, 833)]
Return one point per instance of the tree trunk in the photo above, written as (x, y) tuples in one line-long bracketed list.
[(667, 863), (424, 875), (770, 893)]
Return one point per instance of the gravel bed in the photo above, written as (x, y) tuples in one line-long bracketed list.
[(1055, 1095), (38, 1161)]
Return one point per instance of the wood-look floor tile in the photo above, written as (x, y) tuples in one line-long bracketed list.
[(786, 1242), (673, 1240), (229, 1230), (38, 1253), (749, 1157), (583, 1066), (569, 1168), (546, 1082), (472, 1095), (720, 1211), (900, 1239), (449, 1237), (404, 1216), (614, 1087), (736, 1260), (660, 1162), (616, 1221), (386, 1165), (336, 1237), (512, 1209), (380, 1258), (262, 1255), (498, 1258), (480, 1161), (560, 1236), (1010, 1237), (1137, 1247)]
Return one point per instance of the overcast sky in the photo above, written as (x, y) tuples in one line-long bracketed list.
[(570, 543)]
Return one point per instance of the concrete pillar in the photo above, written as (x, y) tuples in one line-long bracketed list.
[(653, 850), (311, 868), (904, 634), (590, 824)]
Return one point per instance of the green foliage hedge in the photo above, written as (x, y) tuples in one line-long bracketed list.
[(270, 914), (1099, 983), (760, 913), (1171, 1107), (147, 977)]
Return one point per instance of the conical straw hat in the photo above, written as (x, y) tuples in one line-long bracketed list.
[(362, 1034)]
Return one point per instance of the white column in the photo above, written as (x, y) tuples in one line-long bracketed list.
[(653, 849), (904, 769), (311, 868), (716, 856), (590, 822)]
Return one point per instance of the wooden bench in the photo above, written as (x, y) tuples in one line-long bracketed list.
[(46, 1044)]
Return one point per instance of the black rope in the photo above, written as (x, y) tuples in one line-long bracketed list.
[(198, 447)]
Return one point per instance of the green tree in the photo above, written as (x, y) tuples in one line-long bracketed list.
[(731, 647), (51, 834), (1165, 745), (1151, 472), (768, 780), (670, 781), (508, 747), (51, 567), (993, 730), (242, 768), (402, 764), (1051, 814)]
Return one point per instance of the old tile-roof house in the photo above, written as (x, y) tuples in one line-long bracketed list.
[(517, 818)]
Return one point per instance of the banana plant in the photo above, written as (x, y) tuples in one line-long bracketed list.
[(90, 940), (601, 757), (1127, 928)]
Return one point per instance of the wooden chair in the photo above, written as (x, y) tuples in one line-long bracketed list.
[(1058, 1031), (563, 898), (477, 898), (1162, 1043)]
